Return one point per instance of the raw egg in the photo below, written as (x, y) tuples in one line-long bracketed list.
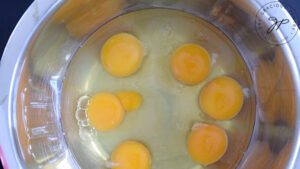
[(105, 111), (131, 155), (190, 64), (130, 100), (222, 98), (122, 54), (207, 143)]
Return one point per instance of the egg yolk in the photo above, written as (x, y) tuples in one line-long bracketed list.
[(105, 111), (222, 98), (122, 54), (131, 155), (190, 64), (207, 143), (130, 100)]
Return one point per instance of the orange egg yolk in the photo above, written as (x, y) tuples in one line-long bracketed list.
[(222, 98), (130, 100), (122, 54), (131, 155), (207, 143), (190, 64), (105, 111)]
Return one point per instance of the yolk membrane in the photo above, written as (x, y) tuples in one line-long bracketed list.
[(105, 111), (130, 100), (131, 155), (190, 64), (222, 98), (207, 143), (122, 54)]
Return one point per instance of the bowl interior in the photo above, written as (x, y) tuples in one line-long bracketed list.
[(39, 90)]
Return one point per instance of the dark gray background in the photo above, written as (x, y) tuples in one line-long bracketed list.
[(10, 12)]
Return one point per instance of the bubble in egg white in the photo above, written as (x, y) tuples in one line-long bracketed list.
[(246, 92)]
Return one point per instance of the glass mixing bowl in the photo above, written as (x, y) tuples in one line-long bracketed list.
[(41, 47)]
